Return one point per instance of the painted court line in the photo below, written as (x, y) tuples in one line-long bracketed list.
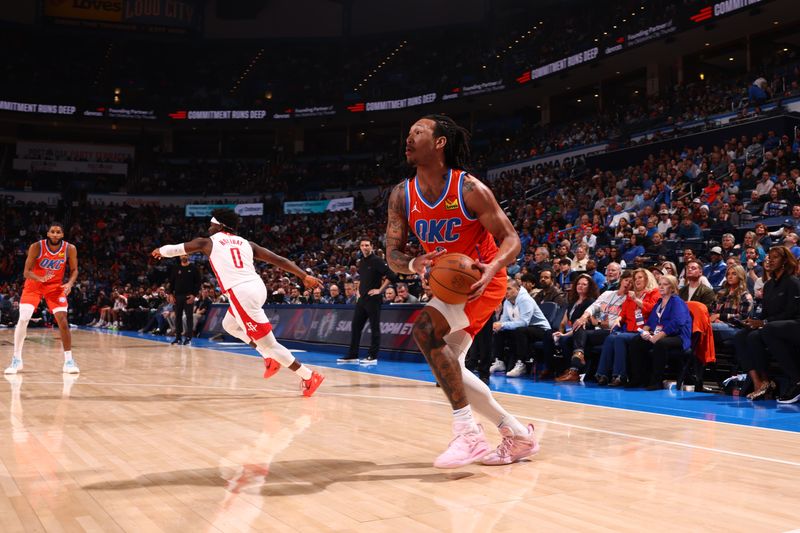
[(516, 395), (439, 402)]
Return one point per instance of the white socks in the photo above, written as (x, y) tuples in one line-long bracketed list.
[(67, 355), (463, 421)]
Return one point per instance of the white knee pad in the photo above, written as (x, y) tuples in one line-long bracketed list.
[(25, 312), (230, 325), (268, 346)]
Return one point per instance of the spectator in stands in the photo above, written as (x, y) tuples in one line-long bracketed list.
[(791, 242), (762, 236), (548, 292), (403, 296), (689, 230), (664, 223), (604, 315), (632, 250), (582, 295), (520, 324), (635, 312), (541, 258), (613, 272), (657, 248), (757, 92), (764, 185), (600, 279), (334, 295), (350, 294), (728, 245), (601, 258), (668, 327), (389, 294), (668, 267), (795, 219), (695, 290), (295, 296), (775, 331), (775, 206), (714, 271), (581, 258), (564, 277), (734, 305)]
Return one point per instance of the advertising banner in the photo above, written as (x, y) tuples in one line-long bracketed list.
[(104, 10), (559, 159), (75, 167), (44, 109), (318, 206), (70, 152), (328, 324), (243, 210)]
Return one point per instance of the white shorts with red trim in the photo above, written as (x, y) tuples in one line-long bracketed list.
[(247, 306)]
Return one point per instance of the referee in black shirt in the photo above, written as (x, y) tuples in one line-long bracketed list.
[(185, 281), (374, 275)]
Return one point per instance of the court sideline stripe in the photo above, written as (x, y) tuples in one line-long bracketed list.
[(439, 402)]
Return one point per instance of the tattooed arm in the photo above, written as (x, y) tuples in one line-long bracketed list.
[(397, 232), (481, 203)]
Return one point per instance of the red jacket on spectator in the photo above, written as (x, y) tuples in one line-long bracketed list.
[(628, 314)]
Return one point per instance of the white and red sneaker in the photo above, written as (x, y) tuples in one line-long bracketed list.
[(512, 448), (466, 447), (271, 367)]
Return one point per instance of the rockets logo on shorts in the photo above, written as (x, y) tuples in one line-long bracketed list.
[(251, 326)]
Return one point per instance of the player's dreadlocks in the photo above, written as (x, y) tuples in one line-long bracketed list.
[(227, 217), (456, 151)]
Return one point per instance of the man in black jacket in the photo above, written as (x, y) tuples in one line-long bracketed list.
[(185, 281), (374, 275)]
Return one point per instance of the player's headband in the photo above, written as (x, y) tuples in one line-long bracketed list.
[(215, 221)]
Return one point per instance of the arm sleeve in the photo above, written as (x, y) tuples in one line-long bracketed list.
[(172, 250)]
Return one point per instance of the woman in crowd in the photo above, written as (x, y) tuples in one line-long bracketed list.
[(750, 240), (762, 236), (775, 332), (669, 268), (635, 312), (594, 325), (734, 305), (668, 327), (581, 295)]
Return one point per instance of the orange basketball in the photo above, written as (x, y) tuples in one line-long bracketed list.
[(451, 277)]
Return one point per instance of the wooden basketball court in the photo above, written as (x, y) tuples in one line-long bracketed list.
[(157, 438)]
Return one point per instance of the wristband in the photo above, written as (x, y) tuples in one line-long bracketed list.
[(411, 265)]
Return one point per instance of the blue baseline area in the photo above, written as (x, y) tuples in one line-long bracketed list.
[(696, 405)]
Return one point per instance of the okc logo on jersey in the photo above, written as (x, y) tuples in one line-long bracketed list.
[(51, 264), (441, 230)]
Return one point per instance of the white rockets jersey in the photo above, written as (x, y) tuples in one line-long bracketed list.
[(231, 260)]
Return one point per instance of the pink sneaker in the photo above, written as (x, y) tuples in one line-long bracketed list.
[(511, 449), (465, 448)]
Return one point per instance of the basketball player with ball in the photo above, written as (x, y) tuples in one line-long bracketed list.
[(452, 213), (231, 259)]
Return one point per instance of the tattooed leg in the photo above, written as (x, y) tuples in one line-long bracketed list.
[(429, 331)]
